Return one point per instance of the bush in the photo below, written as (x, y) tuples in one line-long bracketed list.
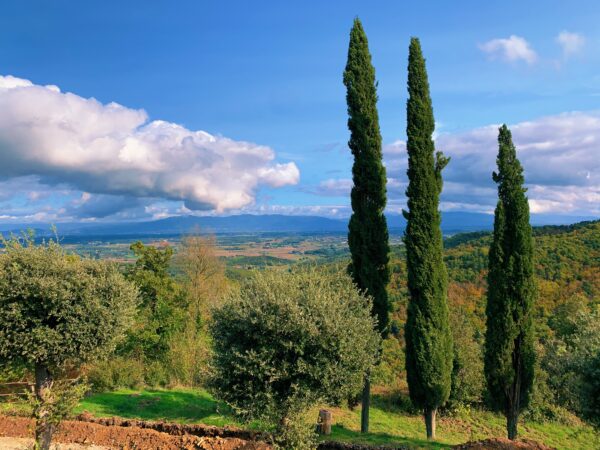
[(390, 370), (115, 373), (591, 390), (468, 382), (572, 360), (58, 310), (156, 374), (286, 341)]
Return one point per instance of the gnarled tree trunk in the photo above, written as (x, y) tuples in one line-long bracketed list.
[(43, 429)]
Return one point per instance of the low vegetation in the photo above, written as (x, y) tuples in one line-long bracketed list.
[(391, 422), (287, 341), (58, 311), (567, 330)]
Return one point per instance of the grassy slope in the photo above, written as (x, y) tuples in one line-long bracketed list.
[(388, 426)]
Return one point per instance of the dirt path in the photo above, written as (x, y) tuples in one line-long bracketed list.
[(124, 438)]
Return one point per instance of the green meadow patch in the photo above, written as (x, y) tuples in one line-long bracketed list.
[(389, 426)]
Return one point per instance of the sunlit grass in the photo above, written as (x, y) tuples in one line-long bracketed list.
[(388, 425)]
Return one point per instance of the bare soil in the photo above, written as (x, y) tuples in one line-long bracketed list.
[(9, 443), (91, 433), (503, 444), (126, 437)]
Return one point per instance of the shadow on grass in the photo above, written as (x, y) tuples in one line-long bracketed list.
[(339, 433), (173, 405)]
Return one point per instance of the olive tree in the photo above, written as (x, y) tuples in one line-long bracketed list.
[(286, 341), (57, 310)]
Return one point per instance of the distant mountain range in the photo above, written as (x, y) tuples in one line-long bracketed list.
[(452, 222)]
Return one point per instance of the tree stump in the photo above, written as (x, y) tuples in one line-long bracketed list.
[(324, 422)]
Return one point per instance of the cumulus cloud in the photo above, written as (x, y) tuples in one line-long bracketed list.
[(511, 49), (571, 43), (114, 150)]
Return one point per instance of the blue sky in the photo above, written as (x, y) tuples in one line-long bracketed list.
[(263, 80)]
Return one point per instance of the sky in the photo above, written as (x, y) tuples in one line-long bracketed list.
[(140, 110)]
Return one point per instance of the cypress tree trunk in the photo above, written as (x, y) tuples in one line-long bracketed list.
[(509, 350), (429, 350), (367, 230), (430, 414), (512, 419), (43, 429)]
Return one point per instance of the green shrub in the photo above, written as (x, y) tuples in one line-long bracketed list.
[(156, 374), (468, 382), (572, 361), (116, 373), (390, 370), (286, 341), (58, 310)]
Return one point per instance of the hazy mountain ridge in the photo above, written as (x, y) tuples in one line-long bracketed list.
[(452, 222)]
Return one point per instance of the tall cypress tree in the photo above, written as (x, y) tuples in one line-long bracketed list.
[(367, 230), (509, 349), (427, 330)]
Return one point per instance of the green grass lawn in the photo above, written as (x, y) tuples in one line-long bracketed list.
[(388, 425)]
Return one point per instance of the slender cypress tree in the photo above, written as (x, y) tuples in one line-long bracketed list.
[(367, 230), (427, 330), (509, 350)]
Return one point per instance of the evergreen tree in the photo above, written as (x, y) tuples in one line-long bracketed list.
[(509, 351), (367, 230), (427, 331)]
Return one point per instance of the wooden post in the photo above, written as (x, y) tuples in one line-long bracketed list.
[(324, 422)]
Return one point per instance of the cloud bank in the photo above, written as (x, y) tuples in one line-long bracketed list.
[(560, 155), (62, 138)]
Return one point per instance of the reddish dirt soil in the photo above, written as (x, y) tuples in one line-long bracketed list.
[(122, 434), (503, 444), (128, 437)]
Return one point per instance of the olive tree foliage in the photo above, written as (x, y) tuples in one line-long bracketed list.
[(58, 310), (286, 341)]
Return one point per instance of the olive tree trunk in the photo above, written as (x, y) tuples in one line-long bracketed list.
[(366, 405), (43, 428)]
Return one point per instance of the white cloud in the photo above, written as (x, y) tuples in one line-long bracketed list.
[(110, 149), (560, 155), (334, 187), (571, 43), (511, 49)]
